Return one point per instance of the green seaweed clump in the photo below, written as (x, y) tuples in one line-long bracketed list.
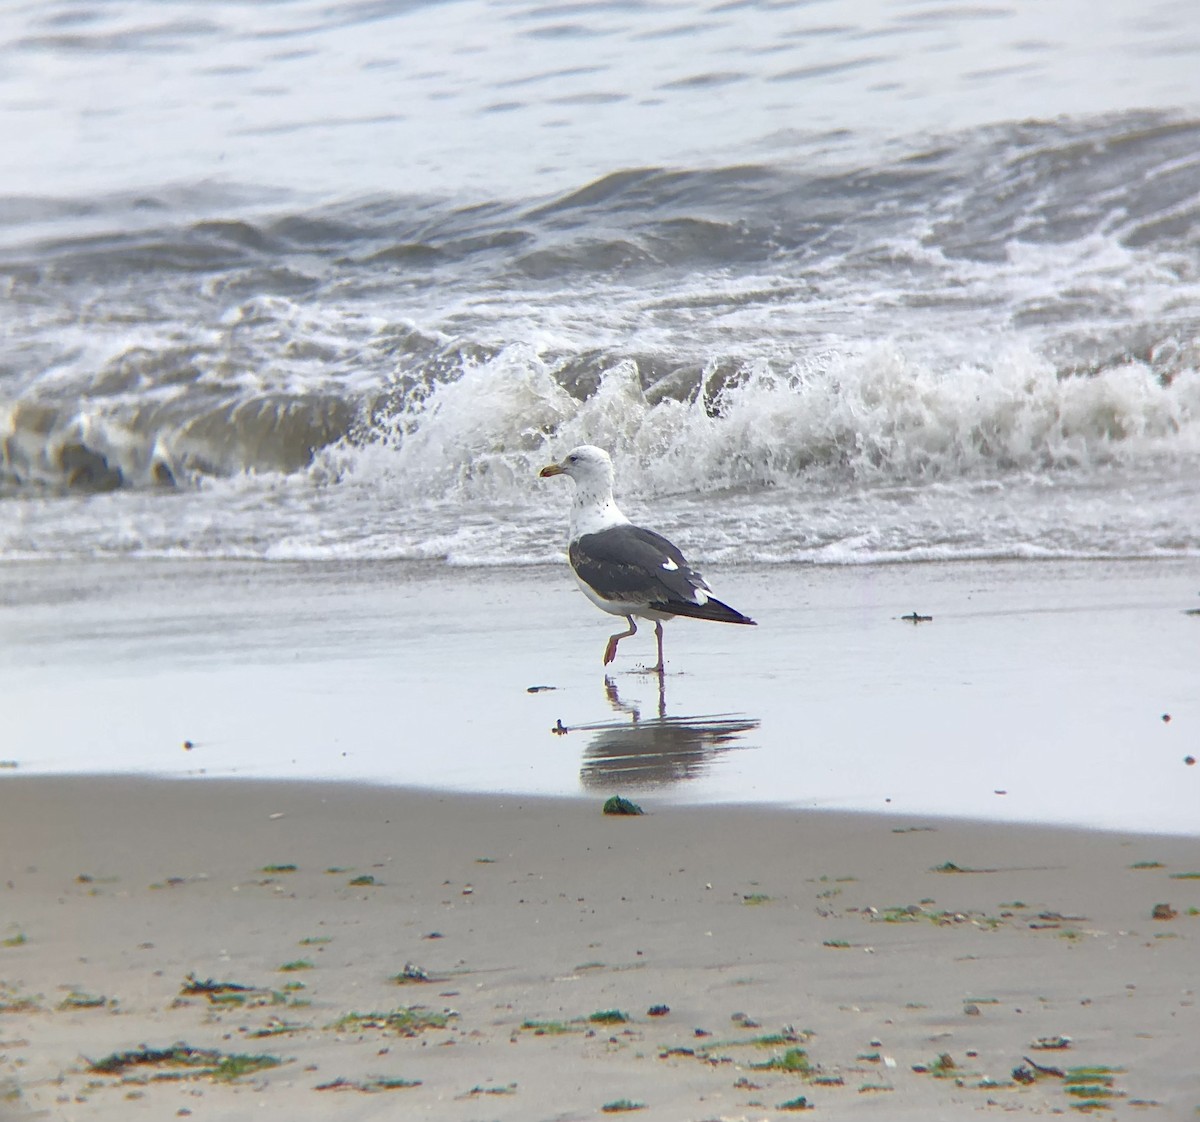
[(181, 1061), (79, 1000), (277, 1027), (943, 1067), (618, 805), (609, 1017), (369, 1086), (210, 988), (408, 1020), (551, 1028), (1092, 1087), (229, 993), (794, 1060), (13, 1002)]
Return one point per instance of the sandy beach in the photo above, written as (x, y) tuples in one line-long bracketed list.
[(408, 953)]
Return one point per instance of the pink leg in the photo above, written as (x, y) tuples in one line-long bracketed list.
[(658, 633), (610, 652)]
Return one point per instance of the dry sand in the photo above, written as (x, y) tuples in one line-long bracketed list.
[(829, 942)]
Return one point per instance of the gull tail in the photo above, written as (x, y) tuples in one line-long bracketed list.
[(711, 609)]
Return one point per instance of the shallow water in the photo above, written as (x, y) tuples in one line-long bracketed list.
[(1060, 693), (840, 282)]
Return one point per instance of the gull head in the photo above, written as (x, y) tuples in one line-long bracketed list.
[(589, 466)]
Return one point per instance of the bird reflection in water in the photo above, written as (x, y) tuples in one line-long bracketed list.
[(653, 751)]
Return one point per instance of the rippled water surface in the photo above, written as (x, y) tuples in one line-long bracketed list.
[(838, 282)]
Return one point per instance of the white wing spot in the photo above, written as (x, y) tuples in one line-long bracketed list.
[(669, 565), (700, 596)]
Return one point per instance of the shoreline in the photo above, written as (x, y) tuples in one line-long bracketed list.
[(825, 936)]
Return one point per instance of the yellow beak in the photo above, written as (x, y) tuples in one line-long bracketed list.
[(549, 470)]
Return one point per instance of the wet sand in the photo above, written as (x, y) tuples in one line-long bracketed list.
[(1035, 692), (837, 947)]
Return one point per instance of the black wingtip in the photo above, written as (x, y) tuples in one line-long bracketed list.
[(712, 610)]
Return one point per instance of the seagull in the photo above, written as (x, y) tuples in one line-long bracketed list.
[(624, 569)]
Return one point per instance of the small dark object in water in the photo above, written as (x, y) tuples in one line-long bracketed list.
[(916, 617), (188, 745), (1190, 761), (1163, 911), (1022, 1074), (559, 728), (618, 805), (1166, 717), (658, 1010), (539, 689)]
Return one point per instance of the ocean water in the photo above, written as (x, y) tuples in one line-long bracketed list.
[(843, 281)]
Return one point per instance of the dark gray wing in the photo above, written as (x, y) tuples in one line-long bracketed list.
[(627, 563), (633, 564)]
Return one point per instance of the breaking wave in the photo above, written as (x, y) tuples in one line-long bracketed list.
[(1014, 307)]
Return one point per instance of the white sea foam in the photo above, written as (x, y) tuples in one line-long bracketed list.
[(853, 459), (479, 435), (845, 458), (870, 417)]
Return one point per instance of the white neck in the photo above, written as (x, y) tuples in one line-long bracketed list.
[(594, 510)]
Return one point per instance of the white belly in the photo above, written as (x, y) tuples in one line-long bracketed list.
[(618, 607)]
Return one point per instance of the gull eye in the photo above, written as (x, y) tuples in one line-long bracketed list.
[(572, 459)]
